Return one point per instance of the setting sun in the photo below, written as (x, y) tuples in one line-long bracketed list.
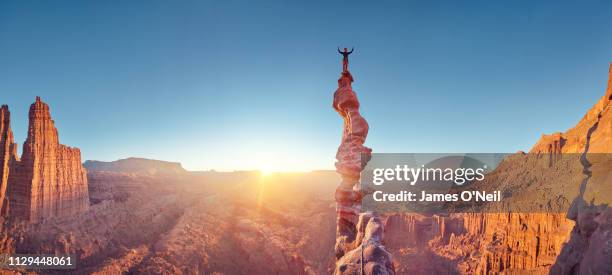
[(266, 172)]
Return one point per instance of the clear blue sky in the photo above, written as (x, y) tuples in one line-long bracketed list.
[(248, 84)]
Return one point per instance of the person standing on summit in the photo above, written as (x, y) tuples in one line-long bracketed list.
[(345, 55)]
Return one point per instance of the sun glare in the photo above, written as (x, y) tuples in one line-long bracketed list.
[(265, 172)]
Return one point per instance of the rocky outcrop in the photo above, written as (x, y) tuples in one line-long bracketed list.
[(542, 243), (8, 155), (359, 237), (573, 173), (575, 139), (550, 144), (49, 180), (589, 247), (370, 256)]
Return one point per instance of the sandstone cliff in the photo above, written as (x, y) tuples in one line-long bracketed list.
[(49, 180), (589, 248), (577, 242), (359, 236), (575, 139)]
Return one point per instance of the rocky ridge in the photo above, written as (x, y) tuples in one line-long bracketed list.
[(576, 242)]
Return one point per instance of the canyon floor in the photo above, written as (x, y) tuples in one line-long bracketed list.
[(198, 223), (168, 221)]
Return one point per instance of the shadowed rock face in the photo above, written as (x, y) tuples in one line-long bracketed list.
[(49, 180), (589, 249), (8, 155), (577, 242)]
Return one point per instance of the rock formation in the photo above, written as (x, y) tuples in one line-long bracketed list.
[(359, 237), (49, 180), (577, 242), (589, 249), (8, 155), (575, 139), (609, 89), (540, 242)]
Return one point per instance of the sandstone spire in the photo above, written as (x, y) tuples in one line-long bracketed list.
[(49, 180), (359, 236), (609, 89), (7, 155)]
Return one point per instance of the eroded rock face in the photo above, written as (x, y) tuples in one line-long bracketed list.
[(577, 242), (476, 243), (359, 237), (575, 139), (49, 180), (8, 155), (589, 248), (370, 256)]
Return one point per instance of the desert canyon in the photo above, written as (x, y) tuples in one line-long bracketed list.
[(143, 216)]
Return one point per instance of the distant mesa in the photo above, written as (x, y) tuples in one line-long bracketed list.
[(137, 166), (48, 180)]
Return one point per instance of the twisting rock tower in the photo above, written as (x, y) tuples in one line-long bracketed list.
[(359, 236)]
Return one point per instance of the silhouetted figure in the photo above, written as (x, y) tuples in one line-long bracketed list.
[(345, 55)]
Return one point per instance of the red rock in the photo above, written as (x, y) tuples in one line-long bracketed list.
[(8, 155), (575, 139), (369, 255), (535, 243), (609, 90), (49, 180), (359, 237)]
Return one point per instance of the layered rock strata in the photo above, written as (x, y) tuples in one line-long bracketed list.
[(359, 237), (576, 243), (574, 164), (575, 139), (589, 248), (49, 180), (579, 242), (8, 155)]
